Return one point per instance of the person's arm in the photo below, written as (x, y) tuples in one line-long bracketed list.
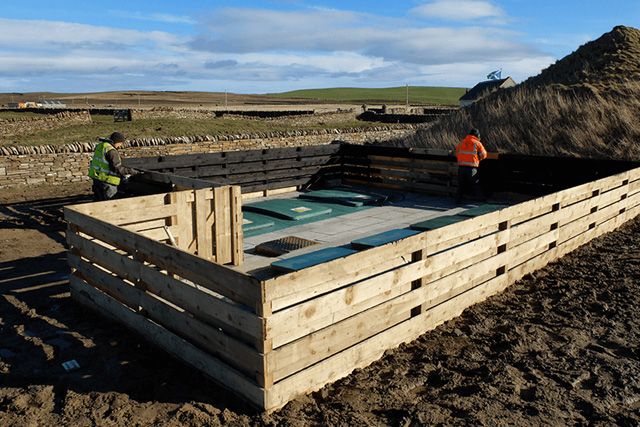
[(115, 164), (482, 153)]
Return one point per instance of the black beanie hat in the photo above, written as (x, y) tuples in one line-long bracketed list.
[(117, 137)]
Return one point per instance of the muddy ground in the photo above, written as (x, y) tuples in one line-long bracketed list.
[(561, 346)]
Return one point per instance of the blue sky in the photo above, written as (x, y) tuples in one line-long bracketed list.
[(273, 46)]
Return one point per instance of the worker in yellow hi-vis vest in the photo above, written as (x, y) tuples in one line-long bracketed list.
[(106, 167)]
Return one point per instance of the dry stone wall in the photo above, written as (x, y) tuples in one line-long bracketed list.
[(27, 125), (66, 164)]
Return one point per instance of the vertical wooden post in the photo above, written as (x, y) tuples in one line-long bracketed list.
[(237, 238), (222, 224), (184, 220), (418, 256), (204, 238), (503, 226)]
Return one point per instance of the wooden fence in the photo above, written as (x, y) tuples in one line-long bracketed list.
[(254, 170), (325, 321), (271, 340), (427, 170)]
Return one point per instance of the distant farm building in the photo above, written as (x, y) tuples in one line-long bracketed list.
[(483, 89)]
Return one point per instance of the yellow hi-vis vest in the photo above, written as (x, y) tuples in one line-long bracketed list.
[(99, 166)]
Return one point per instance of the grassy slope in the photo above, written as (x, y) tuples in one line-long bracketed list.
[(396, 95), (167, 127)]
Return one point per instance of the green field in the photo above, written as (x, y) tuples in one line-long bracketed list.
[(103, 126), (421, 95)]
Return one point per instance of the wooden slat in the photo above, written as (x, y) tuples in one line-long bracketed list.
[(237, 249), (146, 225), (142, 203), (319, 345), (575, 228), (183, 219), (204, 235), (260, 166), (173, 344), (302, 319), (139, 215), (237, 286), (203, 305), (232, 351), (230, 157), (634, 200), (634, 187), (157, 234), (222, 224), (373, 348), (634, 174), (307, 283), (528, 230)]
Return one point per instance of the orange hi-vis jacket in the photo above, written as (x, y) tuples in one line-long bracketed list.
[(470, 151)]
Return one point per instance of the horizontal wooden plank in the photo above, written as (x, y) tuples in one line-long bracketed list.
[(634, 187), (340, 335), (158, 234), (211, 339), (373, 348), (146, 225), (328, 286), (584, 208), (579, 226), (451, 232), (634, 174), (301, 181), (229, 157), (633, 200), (181, 182), (257, 177), (528, 230), (198, 301), (134, 215), (220, 372), (235, 285), (304, 284), (294, 322), (457, 255), (141, 203), (263, 166), (401, 174), (380, 182)]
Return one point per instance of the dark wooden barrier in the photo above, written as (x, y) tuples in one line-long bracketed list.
[(254, 170)]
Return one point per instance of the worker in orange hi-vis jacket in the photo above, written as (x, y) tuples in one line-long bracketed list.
[(469, 153)]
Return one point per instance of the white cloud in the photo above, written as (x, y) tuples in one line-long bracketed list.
[(242, 49), (460, 10), (40, 33), (154, 17), (320, 31)]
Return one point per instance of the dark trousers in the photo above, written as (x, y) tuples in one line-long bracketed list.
[(468, 182), (103, 191)]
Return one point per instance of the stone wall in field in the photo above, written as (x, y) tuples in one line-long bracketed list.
[(26, 125), (66, 164)]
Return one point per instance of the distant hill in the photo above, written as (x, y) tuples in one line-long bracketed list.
[(421, 95), (587, 104)]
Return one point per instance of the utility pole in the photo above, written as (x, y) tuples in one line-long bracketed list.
[(225, 100), (407, 104)]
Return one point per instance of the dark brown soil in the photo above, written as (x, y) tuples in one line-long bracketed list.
[(560, 347)]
